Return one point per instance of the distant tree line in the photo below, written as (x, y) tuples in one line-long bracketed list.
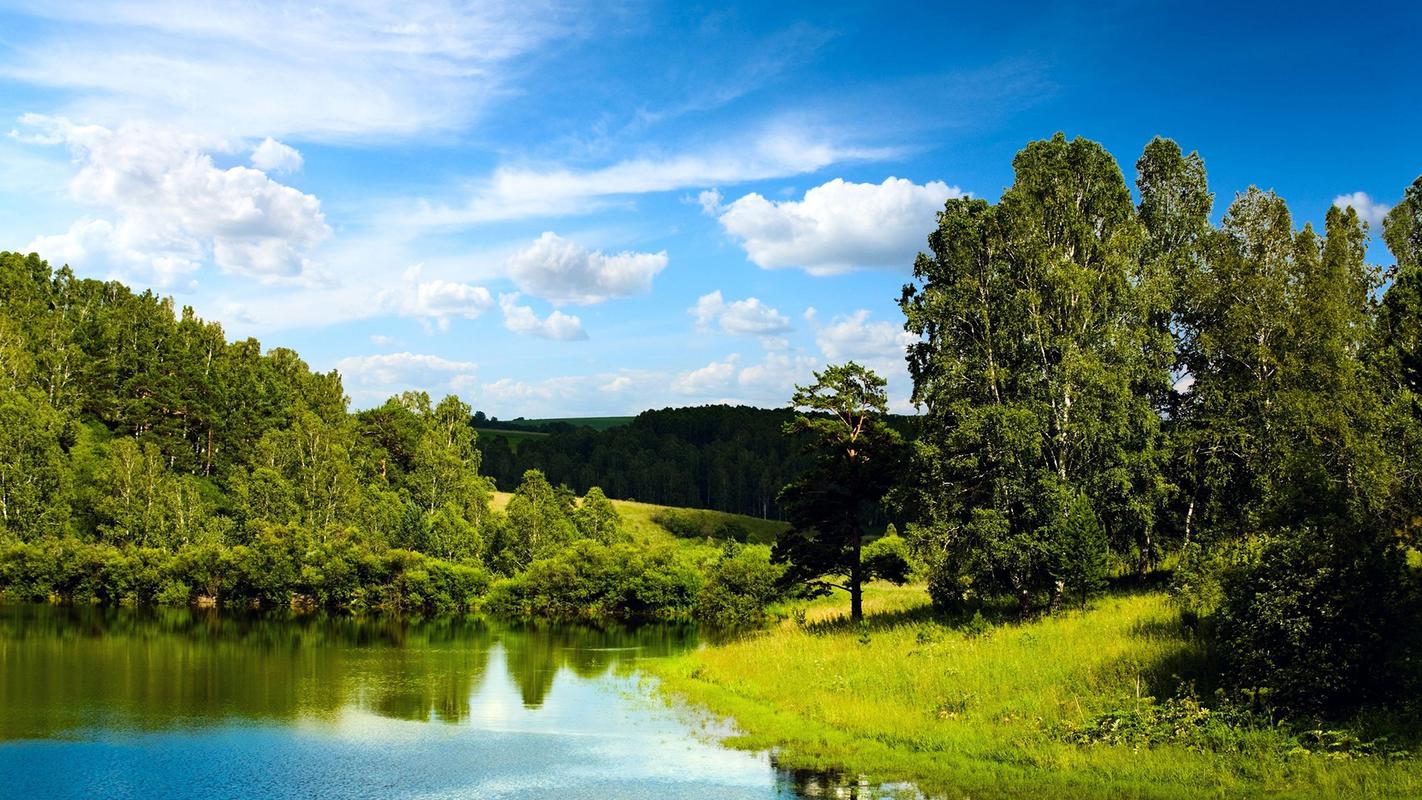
[(727, 458)]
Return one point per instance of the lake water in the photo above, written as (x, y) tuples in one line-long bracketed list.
[(175, 703)]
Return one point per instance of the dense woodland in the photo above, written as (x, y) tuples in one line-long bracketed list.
[(1112, 388), (721, 457), (144, 458), (728, 458), (1110, 379)]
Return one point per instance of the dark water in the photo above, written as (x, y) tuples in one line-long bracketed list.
[(169, 703)]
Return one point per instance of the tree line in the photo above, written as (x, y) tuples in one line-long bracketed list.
[(1110, 385), (144, 458)]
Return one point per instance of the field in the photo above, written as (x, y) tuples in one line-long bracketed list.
[(977, 710), (596, 423), (637, 521)]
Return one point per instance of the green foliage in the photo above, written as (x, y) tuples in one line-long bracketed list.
[(597, 519), (35, 478), (1309, 618), (740, 584), (689, 524), (1080, 551), (145, 459), (1042, 365), (592, 580), (856, 460)]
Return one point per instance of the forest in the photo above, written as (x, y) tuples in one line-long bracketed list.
[(727, 458), (146, 459)]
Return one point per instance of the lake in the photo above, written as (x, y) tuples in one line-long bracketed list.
[(177, 703)]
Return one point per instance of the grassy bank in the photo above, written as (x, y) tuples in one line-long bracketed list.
[(963, 711)]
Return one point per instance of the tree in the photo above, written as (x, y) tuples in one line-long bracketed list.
[(596, 518), (1041, 363), (856, 459), (537, 523), (35, 480)]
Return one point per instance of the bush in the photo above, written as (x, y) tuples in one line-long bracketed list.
[(740, 584), (1306, 620), (591, 580)]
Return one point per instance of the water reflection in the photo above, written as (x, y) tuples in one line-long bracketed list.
[(131, 703), (63, 669)]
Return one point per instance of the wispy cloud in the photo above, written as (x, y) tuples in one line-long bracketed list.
[(339, 69), (517, 192)]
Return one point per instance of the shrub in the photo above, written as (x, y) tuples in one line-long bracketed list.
[(740, 583)]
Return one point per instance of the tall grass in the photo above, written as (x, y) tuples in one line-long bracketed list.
[(973, 710)]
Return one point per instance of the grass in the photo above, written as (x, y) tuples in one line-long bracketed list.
[(637, 521), (908, 697), (596, 423)]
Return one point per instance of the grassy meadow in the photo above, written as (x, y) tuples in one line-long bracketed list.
[(637, 522), (976, 710)]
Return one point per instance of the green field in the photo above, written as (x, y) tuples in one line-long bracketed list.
[(979, 713), (637, 521), (595, 423)]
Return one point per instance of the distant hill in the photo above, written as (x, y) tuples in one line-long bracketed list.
[(727, 458)]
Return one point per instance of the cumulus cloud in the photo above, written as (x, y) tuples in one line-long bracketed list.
[(163, 207), (273, 156), (561, 271), (370, 379), (435, 302), (708, 380), (839, 226), (881, 346), (523, 320), (1370, 210), (772, 381), (747, 317), (331, 70), (853, 337)]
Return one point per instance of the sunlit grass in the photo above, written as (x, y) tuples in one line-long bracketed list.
[(637, 522), (907, 697)]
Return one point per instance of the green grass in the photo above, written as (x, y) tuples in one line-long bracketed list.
[(596, 423), (637, 521), (911, 698)]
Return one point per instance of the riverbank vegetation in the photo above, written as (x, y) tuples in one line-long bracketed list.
[(1113, 701), (145, 459), (1118, 392)]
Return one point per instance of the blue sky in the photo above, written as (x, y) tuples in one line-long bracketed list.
[(561, 210)]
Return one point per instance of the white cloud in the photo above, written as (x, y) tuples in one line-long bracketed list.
[(748, 317), (561, 271), (164, 208), (1369, 210), (436, 301), (853, 337), (839, 226), (523, 320), (711, 379), (326, 70), (370, 379), (520, 192), (880, 346), (381, 340), (710, 202), (772, 381), (273, 156)]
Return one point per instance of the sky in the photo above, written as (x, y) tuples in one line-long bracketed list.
[(559, 209)]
